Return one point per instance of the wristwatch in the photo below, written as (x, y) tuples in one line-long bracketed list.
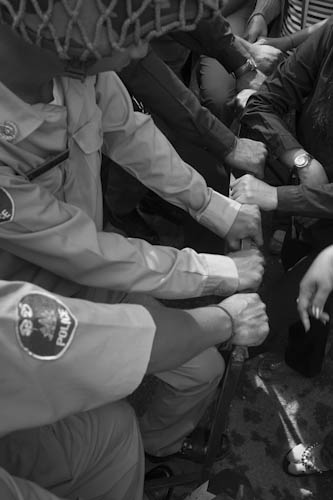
[(248, 66), (302, 160)]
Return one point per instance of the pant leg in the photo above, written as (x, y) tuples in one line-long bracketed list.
[(14, 488), (105, 451), (217, 86), (96, 455), (327, 451), (181, 399), (180, 402)]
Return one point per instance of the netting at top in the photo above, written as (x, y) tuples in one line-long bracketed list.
[(93, 28)]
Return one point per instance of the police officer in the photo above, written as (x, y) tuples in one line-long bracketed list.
[(66, 364), (56, 115)]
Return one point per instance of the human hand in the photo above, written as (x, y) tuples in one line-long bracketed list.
[(250, 190), (240, 101), (249, 318), (250, 267), (248, 155), (256, 29), (266, 57), (246, 225), (250, 80), (313, 175), (315, 287)]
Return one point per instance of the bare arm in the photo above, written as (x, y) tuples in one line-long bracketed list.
[(182, 334), (231, 6), (286, 43)]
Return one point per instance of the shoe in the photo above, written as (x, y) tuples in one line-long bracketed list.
[(194, 449), (303, 460)]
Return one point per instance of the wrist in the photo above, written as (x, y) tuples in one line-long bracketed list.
[(288, 157), (231, 149), (228, 325), (248, 67), (256, 14)]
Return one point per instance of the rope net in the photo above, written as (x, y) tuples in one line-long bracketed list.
[(86, 29)]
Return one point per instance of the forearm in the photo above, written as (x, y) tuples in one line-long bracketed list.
[(290, 42), (183, 334), (269, 9), (231, 6), (164, 95), (215, 39), (147, 154), (306, 201)]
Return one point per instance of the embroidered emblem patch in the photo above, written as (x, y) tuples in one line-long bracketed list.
[(7, 208), (8, 131), (46, 326)]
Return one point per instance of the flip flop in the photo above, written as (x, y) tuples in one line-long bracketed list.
[(304, 466)]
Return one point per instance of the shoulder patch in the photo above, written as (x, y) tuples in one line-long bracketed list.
[(45, 326), (7, 208)]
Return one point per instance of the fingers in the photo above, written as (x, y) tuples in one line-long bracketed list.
[(304, 316), (319, 300), (311, 301), (258, 236)]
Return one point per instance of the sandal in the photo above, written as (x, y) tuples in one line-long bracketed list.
[(300, 461)]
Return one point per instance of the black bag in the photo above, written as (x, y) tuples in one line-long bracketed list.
[(306, 350)]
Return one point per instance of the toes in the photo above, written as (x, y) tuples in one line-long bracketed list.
[(297, 469), (295, 454)]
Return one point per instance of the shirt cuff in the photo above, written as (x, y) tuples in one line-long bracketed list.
[(219, 215), (222, 273)]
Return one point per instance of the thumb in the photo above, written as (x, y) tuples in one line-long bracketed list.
[(251, 36)]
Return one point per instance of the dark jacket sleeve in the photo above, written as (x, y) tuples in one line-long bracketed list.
[(163, 94), (264, 118), (214, 38), (306, 201)]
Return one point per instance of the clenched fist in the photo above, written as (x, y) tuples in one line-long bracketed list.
[(249, 319), (250, 190), (250, 267), (248, 155)]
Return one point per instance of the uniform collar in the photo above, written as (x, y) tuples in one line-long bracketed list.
[(14, 110)]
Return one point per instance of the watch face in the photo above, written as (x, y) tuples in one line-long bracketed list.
[(302, 160)]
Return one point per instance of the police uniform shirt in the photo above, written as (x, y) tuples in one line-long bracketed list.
[(61, 356), (51, 228)]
